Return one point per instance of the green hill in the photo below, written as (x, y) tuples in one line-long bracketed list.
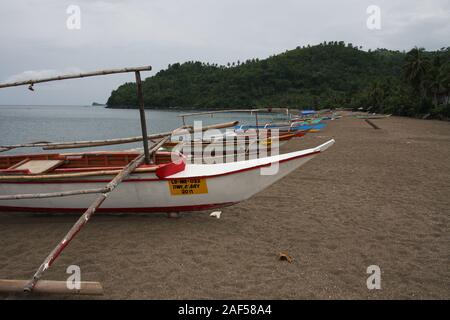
[(328, 75)]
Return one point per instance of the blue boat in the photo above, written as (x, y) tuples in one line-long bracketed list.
[(308, 112)]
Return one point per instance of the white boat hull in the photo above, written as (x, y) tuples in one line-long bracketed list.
[(213, 185)]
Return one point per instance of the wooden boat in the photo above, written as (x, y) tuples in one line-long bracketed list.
[(232, 143), (165, 186), (297, 122), (304, 122)]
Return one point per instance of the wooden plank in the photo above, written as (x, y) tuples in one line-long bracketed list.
[(52, 287), (39, 166)]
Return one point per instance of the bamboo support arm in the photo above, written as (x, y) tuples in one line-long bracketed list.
[(52, 194), (70, 175), (74, 76), (96, 143), (278, 110)]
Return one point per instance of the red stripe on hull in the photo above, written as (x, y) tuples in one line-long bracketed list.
[(122, 210)]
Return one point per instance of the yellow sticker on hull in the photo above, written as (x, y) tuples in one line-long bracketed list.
[(186, 187)]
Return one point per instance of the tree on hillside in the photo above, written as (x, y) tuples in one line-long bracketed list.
[(415, 69), (435, 80)]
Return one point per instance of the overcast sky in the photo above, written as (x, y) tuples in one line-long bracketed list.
[(36, 42)]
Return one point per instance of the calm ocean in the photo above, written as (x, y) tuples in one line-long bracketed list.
[(23, 124)]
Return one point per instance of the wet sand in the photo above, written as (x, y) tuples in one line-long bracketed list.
[(377, 197)]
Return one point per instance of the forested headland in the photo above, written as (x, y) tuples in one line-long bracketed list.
[(329, 75)]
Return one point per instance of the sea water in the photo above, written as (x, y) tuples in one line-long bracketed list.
[(24, 124)]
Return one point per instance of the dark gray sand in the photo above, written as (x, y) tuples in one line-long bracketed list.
[(377, 197)]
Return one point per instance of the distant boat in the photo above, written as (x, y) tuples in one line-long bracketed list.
[(96, 104), (284, 128), (231, 146)]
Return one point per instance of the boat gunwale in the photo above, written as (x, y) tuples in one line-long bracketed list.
[(314, 152)]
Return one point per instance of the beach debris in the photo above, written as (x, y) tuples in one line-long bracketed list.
[(173, 215), (285, 256), (373, 125), (216, 214)]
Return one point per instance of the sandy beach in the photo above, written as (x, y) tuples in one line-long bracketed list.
[(377, 197)]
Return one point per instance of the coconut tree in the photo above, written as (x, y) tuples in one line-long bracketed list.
[(415, 69), (445, 78), (433, 81), (376, 95)]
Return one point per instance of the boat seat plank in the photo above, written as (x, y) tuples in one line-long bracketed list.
[(39, 166)]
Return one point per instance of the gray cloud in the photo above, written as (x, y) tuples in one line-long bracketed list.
[(35, 39)]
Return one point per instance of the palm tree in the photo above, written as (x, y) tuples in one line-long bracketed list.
[(435, 80), (376, 96), (416, 68), (445, 71)]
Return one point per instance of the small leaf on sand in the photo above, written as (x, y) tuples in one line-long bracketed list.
[(285, 256)]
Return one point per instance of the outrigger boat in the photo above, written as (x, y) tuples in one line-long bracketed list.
[(296, 122), (230, 145), (166, 186), (122, 181), (283, 129)]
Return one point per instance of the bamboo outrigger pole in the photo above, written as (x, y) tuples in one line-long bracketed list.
[(51, 286), (75, 76), (81, 222), (52, 194), (269, 110), (107, 142)]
